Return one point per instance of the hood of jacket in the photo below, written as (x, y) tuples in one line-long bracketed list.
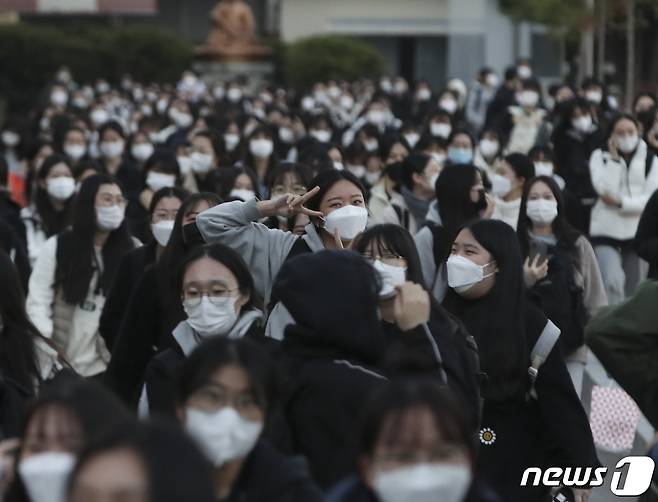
[(333, 298)]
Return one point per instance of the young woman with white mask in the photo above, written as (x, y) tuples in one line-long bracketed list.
[(155, 308), (204, 158), (526, 124), (260, 153), (336, 206), (50, 212), (225, 402), (162, 214), (507, 187), (624, 176), (74, 144), (573, 144), (68, 414), (74, 272), (217, 295), (519, 425), (161, 170), (414, 446), (560, 270), (422, 338), (488, 151)]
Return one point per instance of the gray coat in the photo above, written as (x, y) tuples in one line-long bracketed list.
[(235, 224)]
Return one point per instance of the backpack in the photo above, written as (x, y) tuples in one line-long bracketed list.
[(561, 300)]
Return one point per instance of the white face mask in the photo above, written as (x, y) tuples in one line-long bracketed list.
[(99, 116), (489, 147), (372, 177), (110, 218), (261, 148), (286, 135), (412, 138), (582, 124), (543, 168), (185, 165), (371, 145), (211, 318), (347, 102), (308, 103), (500, 185), (322, 135), (46, 476), (594, 96), (75, 151), (432, 180), (142, 151), (156, 181), (234, 94), (111, 149), (528, 98), (223, 435), (440, 129), (243, 193), (542, 211), (449, 105), (201, 162), (349, 220), (424, 483), (524, 72), (492, 80), (162, 231), (60, 188), (59, 98), (181, 119), (231, 141), (10, 138), (358, 171), (376, 117), (440, 158), (627, 144), (390, 276), (423, 94), (463, 274)]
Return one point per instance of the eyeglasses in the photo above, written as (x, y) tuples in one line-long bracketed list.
[(193, 296), (389, 258)]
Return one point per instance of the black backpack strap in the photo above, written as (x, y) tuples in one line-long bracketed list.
[(648, 161), (299, 247)]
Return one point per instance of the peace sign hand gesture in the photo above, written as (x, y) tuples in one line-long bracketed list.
[(288, 205)]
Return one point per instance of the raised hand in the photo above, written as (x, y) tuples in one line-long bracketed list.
[(289, 205)]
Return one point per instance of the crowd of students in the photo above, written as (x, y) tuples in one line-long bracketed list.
[(368, 290)]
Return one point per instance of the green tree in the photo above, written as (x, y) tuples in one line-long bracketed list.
[(322, 58)]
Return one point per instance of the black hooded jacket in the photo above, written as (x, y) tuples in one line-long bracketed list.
[(333, 349)]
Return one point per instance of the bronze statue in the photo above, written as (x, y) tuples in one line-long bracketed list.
[(232, 34)]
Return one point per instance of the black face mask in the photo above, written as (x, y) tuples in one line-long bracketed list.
[(481, 204), (645, 118), (191, 235)]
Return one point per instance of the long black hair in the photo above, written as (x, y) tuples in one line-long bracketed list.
[(562, 229), (497, 320), (227, 257), (162, 449), (75, 248), (327, 179), (453, 195), (18, 360), (52, 221), (182, 240)]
